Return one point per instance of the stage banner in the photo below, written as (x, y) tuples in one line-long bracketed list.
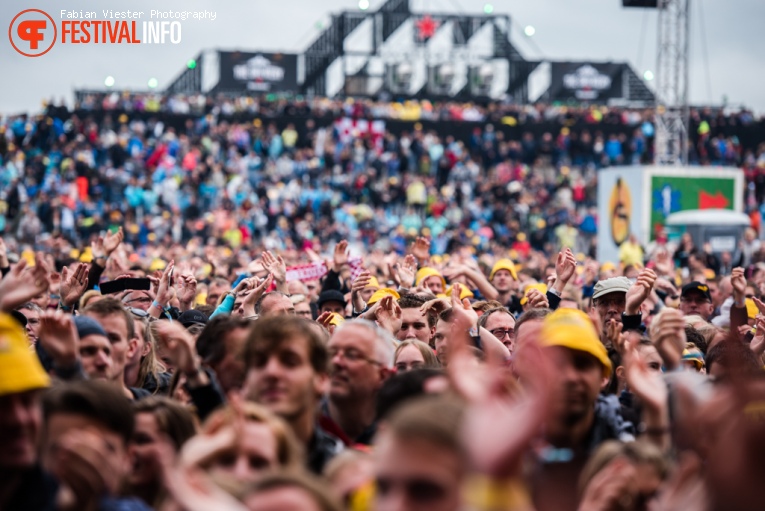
[(585, 81), (257, 72)]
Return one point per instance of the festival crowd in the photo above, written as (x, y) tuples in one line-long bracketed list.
[(234, 317)]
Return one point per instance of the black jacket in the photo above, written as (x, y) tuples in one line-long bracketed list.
[(322, 448)]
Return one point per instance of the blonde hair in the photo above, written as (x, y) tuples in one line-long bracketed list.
[(150, 364), (85, 298), (427, 353), (289, 452), (637, 452)]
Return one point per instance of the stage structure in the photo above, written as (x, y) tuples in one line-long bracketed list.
[(391, 52), (672, 67)]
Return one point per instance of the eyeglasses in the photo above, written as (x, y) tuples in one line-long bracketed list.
[(142, 299), (351, 355), (499, 333), (611, 302), (138, 312)]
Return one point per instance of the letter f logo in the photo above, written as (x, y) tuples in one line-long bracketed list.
[(29, 30)]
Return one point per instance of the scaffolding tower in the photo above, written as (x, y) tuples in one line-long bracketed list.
[(672, 112)]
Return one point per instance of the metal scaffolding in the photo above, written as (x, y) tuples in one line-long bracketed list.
[(672, 113)]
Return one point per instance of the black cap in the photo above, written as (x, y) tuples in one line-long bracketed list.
[(192, 317), (696, 287), (331, 295)]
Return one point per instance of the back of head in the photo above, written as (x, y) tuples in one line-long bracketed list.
[(434, 419), (732, 358), (210, 345), (269, 333), (403, 387), (100, 401)]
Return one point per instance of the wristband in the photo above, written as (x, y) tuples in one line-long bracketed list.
[(64, 307), (156, 305)]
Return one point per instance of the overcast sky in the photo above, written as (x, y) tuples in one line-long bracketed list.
[(565, 29)]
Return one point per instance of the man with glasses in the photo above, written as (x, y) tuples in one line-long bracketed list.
[(501, 324), (696, 299), (361, 359), (32, 312), (137, 299), (618, 299)]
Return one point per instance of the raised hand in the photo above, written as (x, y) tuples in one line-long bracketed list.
[(404, 273), (3, 254), (276, 267), (758, 341), (73, 284), (537, 300), (614, 335), (85, 463), (421, 249), (648, 386), (58, 336), (666, 286), (187, 291), (639, 291), (252, 296), (663, 263), (340, 256), (389, 314), (179, 346), (565, 267), (668, 335), (112, 240), (324, 320), (612, 487), (360, 283), (738, 281), (164, 286), (464, 317), (22, 284), (436, 306), (497, 430)]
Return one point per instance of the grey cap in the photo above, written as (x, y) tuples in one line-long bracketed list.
[(612, 285)]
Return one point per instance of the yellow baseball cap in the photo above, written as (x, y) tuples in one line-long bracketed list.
[(542, 288), (373, 282), (504, 264), (382, 293), (425, 272), (20, 369), (572, 329), (751, 309), (465, 293), (336, 319)]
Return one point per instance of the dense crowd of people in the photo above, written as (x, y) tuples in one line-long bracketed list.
[(407, 383), (307, 185), (240, 316)]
